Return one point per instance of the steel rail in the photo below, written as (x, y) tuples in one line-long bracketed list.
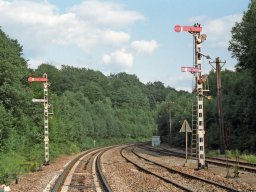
[(60, 180), (154, 174), (187, 175), (102, 178), (250, 167), (241, 163)]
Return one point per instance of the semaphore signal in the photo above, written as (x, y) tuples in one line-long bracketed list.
[(199, 132), (44, 80), (38, 79), (179, 28)]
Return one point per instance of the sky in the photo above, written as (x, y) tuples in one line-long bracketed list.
[(132, 36)]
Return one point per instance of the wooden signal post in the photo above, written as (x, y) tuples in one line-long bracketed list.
[(222, 132)]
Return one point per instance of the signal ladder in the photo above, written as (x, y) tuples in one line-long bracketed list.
[(194, 143)]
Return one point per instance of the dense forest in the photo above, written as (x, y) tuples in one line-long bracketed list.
[(89, 105)]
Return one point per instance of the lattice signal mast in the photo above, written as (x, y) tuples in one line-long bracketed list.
[(199, 80), (44, 80)]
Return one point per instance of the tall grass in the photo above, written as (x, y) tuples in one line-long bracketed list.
[(250, 158), (9, 166), (213, 153), (232, 154)]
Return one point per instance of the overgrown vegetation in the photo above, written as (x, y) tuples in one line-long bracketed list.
[(88, 106), (213, 153), (118, 108), (232, 154)]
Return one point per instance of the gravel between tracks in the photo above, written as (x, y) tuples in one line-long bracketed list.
[(191, 183), (37, 181), (124, 177), (83, 175), (176, 163)]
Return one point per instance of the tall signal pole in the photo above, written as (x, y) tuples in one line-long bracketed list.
[(199, 80), (44, 80), (46, 121), (222, 133)]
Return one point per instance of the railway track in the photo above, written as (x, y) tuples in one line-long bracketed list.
[(125, 177), (179, 179), (216, 161), (84, 173), (106, 169)]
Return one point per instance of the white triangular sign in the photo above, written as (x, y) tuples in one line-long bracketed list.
[(185, 126)]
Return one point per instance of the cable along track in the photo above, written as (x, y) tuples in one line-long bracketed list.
[(177, 178)]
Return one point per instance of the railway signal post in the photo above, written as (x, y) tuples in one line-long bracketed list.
[(199, 79), (44, 80)]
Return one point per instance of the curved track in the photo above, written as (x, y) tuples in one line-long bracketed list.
[(102, 178), (84, 173), (184, 181)]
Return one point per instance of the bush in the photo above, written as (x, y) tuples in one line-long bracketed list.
[(10, 166)]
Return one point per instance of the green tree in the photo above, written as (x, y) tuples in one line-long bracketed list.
[(6, 123), (243, 41)]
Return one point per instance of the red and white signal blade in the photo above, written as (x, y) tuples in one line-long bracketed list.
[(179, 28)]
